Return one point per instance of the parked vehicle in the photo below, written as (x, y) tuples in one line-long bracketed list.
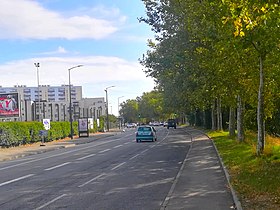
[(171, 123), (146, 133)]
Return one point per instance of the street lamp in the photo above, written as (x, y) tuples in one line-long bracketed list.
[(37, 65), (119, 111), (119, 105), (107, 107), (70, 101)]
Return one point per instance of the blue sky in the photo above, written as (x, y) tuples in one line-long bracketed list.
[(104, 36)]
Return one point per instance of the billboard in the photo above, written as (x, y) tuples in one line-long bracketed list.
[(9, 106), (83, 125)]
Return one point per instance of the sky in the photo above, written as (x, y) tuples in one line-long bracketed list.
[(104, 36)]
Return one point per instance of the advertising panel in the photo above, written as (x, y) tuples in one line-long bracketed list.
[(9, 106), (83, 127)]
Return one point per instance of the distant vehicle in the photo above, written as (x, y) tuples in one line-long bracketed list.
[(131, 125), (171, 123), (165, 123), (156, 123), (146, 133)]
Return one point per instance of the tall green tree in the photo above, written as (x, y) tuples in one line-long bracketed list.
[(129, 110), (257, 22), (208, 51)]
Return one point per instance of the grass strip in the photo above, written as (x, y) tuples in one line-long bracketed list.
[(255, 179)]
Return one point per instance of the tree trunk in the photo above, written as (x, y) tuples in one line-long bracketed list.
[(195, 118), (219, 115), (231, 122), (261, 130), (240, 119), (213, 115), (204, 118)]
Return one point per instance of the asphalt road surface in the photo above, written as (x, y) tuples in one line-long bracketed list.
[(110, 173)]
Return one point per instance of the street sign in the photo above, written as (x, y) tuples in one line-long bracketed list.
[(47, 124)]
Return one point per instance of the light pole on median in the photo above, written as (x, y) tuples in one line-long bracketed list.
[(107, 106), (70, 102), (37, 65)]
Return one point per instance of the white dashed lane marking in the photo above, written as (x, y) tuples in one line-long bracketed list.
[(58, 166)]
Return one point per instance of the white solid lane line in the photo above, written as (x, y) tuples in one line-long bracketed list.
[(58, 166), (134, 157), (117, 146), (118, 166), (106, 150), (97, 177), (15, 180), (82, 158), (50, 202), (144, 151)]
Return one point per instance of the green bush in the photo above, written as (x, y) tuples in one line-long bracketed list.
[(16, 133)]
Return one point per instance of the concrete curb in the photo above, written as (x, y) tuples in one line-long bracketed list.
[(56, 145), (33, 152), (235, 198)]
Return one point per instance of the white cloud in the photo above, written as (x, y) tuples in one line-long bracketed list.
[(97, 73), (59, 50), (54, 71), (26, 19)]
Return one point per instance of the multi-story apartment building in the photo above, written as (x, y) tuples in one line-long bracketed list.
[(54, 103), (47, 92)]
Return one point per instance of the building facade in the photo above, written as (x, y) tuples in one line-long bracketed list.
[(54, 103), (47, 92)]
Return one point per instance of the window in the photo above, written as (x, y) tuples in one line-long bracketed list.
[(144, 129)]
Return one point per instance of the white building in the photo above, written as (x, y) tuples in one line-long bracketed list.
[(54, 103), (47, 92)]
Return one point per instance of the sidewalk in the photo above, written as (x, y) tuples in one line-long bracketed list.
[(36, 148), (202, 183)]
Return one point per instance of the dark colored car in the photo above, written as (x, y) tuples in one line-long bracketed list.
[(146, 133), (171, 123)]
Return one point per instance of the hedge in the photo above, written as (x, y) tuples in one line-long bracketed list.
[(18, 133)]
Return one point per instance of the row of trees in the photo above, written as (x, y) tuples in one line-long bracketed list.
[(144, 109), (217, 56)]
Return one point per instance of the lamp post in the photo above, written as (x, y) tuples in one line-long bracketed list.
[(107, 106), (37, 65), (119, 111), (119, 105), (70, 101)]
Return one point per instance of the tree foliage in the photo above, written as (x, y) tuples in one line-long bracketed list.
[(148, 107), (215, 50)]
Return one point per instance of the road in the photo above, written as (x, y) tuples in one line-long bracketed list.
[(110, 173)]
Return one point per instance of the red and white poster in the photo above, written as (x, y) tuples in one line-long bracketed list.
[(9, 106)]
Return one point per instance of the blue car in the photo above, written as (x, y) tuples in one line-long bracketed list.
[(146, 133)]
